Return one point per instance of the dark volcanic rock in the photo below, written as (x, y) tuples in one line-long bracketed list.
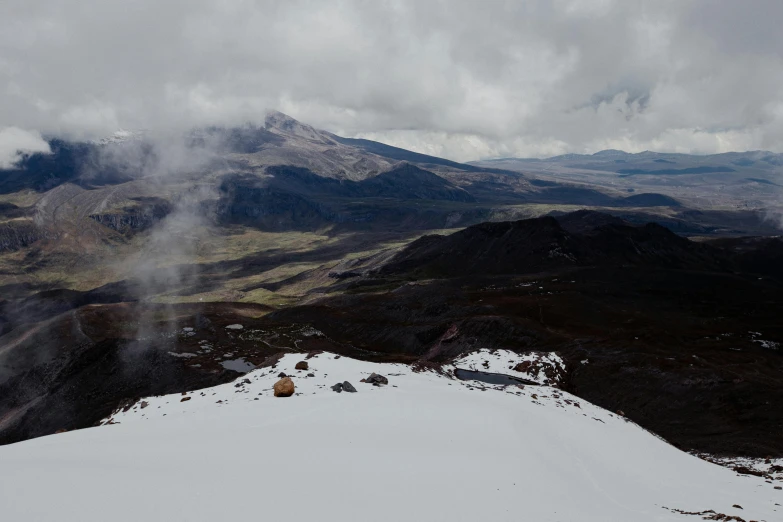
[(301, 365), (338, 387), (347, 386), (376, 379)]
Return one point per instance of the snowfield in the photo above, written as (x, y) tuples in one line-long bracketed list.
[(424, 447)]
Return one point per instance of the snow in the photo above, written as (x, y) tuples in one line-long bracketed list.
[(771, 345), (425, 447), (121, 136), (234, 327), (504, 362)]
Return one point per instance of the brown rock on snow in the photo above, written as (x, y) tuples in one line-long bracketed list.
[(284, 387), (523, 366), (301, 365), (183, 399)]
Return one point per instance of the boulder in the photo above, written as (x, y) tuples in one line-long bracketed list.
[(301, 365), (284, 387), (282, 375), (523, 366), (376, 379), (338, 387), (347, 386)]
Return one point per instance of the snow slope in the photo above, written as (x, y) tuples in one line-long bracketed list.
[(425, 447)]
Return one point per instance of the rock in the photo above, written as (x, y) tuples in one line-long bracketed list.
[(778, 487), (314, 353), (744, 470), (144, 404), (311, 375), (284, 387), (61, 430), (621, 413), (737, 506), (376, 379), (347, 386), (301, 365), (338, 387), (523, 367), (183, 399), (282, 375)]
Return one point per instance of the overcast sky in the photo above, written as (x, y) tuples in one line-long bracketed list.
[(463, 80)]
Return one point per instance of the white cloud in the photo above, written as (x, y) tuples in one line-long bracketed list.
[(14, 142), (465, 78)]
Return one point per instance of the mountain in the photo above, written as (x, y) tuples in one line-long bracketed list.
[(548, 243), (738, 180), (424, 438), (111, 250)]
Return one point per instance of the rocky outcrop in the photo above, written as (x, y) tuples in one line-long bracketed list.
[(141, 216), (18, 234)]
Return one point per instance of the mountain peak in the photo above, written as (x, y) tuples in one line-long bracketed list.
[(280, 123)]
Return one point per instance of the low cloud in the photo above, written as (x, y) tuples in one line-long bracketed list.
[(462, 79), (14, 142)]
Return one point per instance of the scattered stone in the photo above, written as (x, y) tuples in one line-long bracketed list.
[(245, 381), (284, 387), (301, 365), (621, 413), (347, 386), (737, 506), (282, 375), (61, 430), (778, 487), (523, 366), (376, 380), (744, 470), (338, 387), (144, 404), (183, 399), (314, 353), (337, 356), (311, 375)]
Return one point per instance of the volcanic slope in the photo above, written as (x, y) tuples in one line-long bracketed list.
[(424, 440)]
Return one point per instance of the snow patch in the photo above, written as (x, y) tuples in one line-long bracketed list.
[(541, 367)]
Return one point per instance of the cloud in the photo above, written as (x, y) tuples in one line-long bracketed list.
[(14, 142), (461, 78)]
